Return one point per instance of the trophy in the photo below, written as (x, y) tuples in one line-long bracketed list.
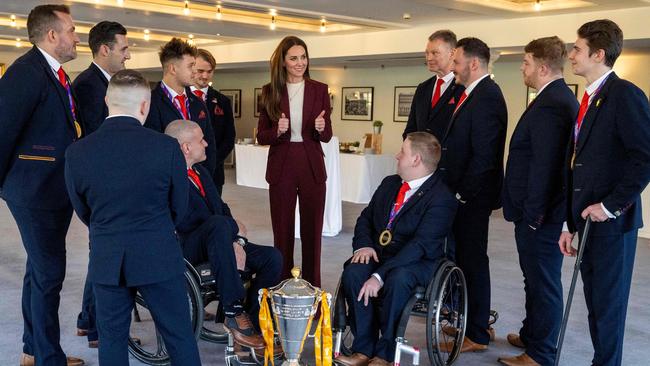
[(294, 303)]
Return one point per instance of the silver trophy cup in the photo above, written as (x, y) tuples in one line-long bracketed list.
[(294, 302)]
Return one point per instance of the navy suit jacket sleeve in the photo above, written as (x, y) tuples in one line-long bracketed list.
[(633, 125), (179, 194), (547, 147), (227, 143), (431, 235), (90, 95), (76, 198), (488, 126), (19, 96), (363, 230), (154, 119)]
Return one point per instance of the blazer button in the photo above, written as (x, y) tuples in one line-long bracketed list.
[(442, 169), (577, 190), (444, 149), (577, 165)]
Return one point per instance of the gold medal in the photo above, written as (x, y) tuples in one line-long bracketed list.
[(385, 237), (77, 127)]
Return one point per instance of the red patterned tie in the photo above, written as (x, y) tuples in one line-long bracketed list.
[(460, 101), (436, 93), (181, 101), (584, 105), (400, 196), (62, 78), (199, 93), (195, 178)]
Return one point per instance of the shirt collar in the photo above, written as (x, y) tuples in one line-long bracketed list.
[(106, 74), (171, 91), (545, 85), (474, 83), (416, 183), (447, 78), (54, 64), (591, 88)]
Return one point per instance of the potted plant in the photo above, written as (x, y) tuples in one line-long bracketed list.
[(376, 126)]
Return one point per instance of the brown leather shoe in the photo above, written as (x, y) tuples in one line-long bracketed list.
[(468, 346), (378, 361), (521, 360), (451, 331), (93, 344), (356, 359), (242, 330), (28, 360), (515, 340)]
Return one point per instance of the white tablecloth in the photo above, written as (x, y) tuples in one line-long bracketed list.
[(362, 174), (251, 170)]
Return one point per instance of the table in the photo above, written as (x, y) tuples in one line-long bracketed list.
[(362, 174), (250, 170)]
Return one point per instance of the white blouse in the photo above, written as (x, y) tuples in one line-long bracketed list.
[(296, 93)]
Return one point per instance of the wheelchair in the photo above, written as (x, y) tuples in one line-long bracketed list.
[(443, 303), (146, 344)]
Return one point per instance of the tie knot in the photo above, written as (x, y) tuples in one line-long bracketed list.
[(199, 93), (61, 75), (440, 82), (405, 187), (180, 98), (585, 97)]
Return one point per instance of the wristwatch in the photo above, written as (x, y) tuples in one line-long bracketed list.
[(241, 242)]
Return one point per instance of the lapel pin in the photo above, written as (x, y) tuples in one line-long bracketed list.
[(598, 102)]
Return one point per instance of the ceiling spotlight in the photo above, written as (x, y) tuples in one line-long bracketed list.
[(272, 25), (13, 20), (186, 8), (538, 5), (219, 15), (120, 2), (273, 12), (18, 43), (322, 25), (190, 39), (146, 34)]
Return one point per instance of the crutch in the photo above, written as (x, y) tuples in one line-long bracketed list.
[(567, 308)]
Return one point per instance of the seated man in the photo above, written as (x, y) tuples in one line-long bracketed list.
[(210, 233), (398, 240)]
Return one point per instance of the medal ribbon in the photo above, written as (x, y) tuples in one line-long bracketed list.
[(266, 326), (77, 126), (324, 329)]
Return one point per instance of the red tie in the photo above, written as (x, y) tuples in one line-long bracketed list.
[(584, 105), (62, 78), (181, 101), (460, 101), (436, 93), (195, 178), (199, 93), (400, 196)]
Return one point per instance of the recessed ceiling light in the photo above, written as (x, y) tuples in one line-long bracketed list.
[(272, 25), (406, 16), (322, 25), (186, 8), (219, 14), (538, 5)]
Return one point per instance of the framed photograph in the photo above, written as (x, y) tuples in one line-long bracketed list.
[(235, 100), (257, 100), (2, 69), (574, 89), (356, 103), (403, 98), (530, 95)]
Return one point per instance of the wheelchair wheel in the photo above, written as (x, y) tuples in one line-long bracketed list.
[(447, 306), (145, 343), (214, 331)]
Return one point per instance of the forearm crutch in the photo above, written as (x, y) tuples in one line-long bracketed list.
[(567, 308)]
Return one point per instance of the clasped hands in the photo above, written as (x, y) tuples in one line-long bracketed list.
[(319, 123), (372, 286), (596, 213)]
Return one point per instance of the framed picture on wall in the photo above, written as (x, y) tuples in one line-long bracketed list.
[(403, 98), (2, 69), (574, 89), (356, 103), (257, 101), (235, 100), (531, 93)]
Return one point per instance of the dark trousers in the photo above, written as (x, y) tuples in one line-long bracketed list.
[(43, 234), (606, 274), (470, 230), (167, 303), (366, 321), (298, 181), (212, 242), (541, 264), (86, 318)]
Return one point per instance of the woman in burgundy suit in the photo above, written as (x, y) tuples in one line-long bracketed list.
[(294, 120)]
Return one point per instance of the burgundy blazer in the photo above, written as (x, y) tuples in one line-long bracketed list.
[(316, 99)]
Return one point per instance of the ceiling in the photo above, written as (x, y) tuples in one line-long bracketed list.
[(248, 21)]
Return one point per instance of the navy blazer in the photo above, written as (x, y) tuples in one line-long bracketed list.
[(129, 185), (163, 112), (90, 87), (612, 162), (432, 120), (316, 100), (472, 146), (37, 126), (533, 185), (223, 125), (419, 230), (200, 208)]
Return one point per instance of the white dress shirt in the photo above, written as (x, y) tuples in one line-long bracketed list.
[(204, 90), (54, 64), (106, 74), (447, 82), (296, 93)]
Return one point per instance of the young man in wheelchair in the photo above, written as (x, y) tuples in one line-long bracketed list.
[(398, 240), (210, 233)]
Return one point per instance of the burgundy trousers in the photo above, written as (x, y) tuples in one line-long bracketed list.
[(297, 181)]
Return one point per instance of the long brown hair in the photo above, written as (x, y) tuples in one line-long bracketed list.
[(272, 93)]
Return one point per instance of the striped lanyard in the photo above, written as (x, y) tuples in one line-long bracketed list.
[(175, 103)]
